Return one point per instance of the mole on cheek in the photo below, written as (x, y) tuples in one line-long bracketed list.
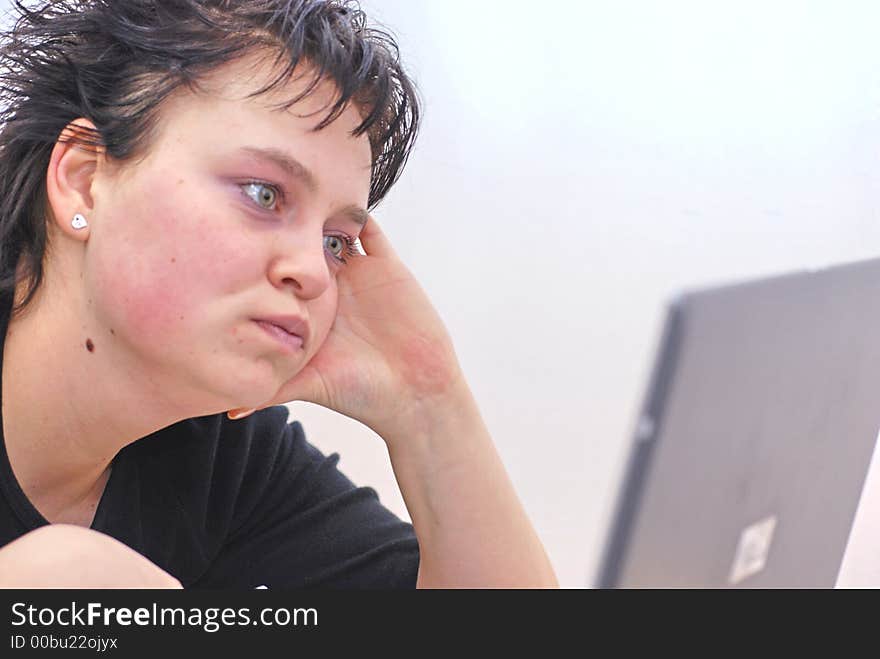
[(89, 345)]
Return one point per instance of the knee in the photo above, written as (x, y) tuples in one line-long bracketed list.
[(64, 555)]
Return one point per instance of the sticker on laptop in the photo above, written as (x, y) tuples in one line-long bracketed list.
[(752, 550)]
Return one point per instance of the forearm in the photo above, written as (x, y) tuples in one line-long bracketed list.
[(471, 527)]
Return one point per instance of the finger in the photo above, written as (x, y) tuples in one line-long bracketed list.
[(240, 413), (374, 240)]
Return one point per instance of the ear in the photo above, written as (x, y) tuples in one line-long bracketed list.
[(70, 176)]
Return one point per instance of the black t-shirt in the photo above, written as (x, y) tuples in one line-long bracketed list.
[(237, 504)]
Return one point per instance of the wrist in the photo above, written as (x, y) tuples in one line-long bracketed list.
[(442, 424)]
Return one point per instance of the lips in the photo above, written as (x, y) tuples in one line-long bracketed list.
[(286, 342), (292, 325)]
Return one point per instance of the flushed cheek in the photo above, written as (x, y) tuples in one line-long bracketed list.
[(166, 289), (322, 314)]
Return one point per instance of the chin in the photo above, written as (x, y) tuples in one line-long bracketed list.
[(245, 387)]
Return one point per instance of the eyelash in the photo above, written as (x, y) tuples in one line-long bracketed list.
[(349, 250)]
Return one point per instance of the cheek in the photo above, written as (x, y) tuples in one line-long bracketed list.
[(322, 313), (158, 270)]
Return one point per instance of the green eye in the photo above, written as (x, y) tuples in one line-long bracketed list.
[(264, 195), (336, 245)]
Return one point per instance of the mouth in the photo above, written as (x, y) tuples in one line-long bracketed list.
[(288, 341)]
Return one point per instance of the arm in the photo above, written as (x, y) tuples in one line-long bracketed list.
[(472, 529)]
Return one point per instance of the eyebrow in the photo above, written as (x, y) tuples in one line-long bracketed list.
[(295, 169)]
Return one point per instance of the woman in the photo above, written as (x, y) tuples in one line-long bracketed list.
[(187, 185)]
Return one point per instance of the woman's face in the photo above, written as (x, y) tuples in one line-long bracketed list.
[(218, 226)]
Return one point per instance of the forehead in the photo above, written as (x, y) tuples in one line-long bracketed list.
[(243, 77), (223, 111)]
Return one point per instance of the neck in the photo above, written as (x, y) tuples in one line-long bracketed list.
[(67, 410)]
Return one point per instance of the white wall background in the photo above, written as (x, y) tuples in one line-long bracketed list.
[(581, 161)]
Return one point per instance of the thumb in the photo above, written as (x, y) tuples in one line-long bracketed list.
[(240, 412)]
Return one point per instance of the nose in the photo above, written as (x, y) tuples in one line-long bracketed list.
[(300, 263)]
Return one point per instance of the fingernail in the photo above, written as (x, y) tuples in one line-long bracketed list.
[(235, 415)]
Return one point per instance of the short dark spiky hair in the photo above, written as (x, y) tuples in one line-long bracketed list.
[(115, 61)]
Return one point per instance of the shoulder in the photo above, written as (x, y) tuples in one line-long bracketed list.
[(216, 440), (258, 504), (216, 469)]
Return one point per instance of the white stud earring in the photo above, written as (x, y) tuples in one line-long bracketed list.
[(79, 222)]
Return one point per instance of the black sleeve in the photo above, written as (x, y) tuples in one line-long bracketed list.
[(307, 525)]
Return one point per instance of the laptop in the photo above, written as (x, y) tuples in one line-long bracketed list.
[(752, 456)]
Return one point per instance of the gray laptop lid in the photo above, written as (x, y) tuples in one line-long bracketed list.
[(756, 436)]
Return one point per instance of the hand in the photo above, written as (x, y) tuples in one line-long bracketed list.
[(387, 351)]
